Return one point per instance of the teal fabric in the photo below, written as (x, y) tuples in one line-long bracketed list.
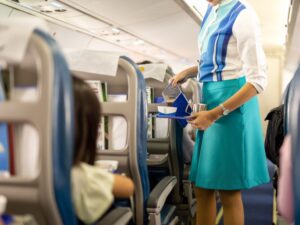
[(230, 154)]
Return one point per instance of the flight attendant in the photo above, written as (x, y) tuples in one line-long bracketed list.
[(229, 153)]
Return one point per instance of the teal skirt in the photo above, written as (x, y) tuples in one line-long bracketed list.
[(230, 154)]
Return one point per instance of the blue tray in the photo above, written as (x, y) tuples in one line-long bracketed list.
[(170, 116)]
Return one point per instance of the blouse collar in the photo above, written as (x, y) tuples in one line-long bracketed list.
[(221, 3)]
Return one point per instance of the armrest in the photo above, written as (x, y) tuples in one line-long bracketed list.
[(118, 216), (186, 171), (160, 193)]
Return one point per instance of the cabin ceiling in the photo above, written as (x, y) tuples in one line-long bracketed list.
[(164, 23), (161, 22)]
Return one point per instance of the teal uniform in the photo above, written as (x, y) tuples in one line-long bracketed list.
[(230, 154)]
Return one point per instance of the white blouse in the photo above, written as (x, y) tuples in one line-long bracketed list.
[(230, 45)]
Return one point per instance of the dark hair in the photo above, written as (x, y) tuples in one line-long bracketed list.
[(87, 119)]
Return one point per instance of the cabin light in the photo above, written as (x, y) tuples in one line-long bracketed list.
[(44, 7), (56, 4), (26, 6), (115, 31), (139, 42), (105, 31)]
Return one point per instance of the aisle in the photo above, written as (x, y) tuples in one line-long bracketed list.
[(258, 204)]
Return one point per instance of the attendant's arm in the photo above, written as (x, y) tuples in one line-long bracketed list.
[(239, 98), (183, 74), (123, 187), (202, 120)]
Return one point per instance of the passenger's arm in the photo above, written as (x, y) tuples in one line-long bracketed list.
[(183, 74), (123, 187)]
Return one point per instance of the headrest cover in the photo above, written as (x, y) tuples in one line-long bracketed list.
[(95, 62), (15, 34), (155, 71)]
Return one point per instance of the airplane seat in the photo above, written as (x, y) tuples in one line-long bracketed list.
[(158, 214), (47, 195), (162, 154), (166, 153), (292, 110), (62, 132), (148, 204)]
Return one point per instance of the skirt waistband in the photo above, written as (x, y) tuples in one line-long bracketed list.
[(224, 84)]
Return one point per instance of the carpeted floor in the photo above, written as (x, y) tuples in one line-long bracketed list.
[(258, 204)]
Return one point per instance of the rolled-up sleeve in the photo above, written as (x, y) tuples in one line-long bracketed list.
[(247, 32)]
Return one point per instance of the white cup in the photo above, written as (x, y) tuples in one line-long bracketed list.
[(3, 202), (197, 107), (108, 165), (166, 109)]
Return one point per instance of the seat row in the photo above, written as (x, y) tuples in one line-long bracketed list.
[(47, 193)]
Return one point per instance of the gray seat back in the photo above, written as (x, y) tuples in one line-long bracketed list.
[(126, 82), (34, 195), (171, 144)]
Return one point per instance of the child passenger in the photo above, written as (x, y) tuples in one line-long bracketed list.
[(93, 189)]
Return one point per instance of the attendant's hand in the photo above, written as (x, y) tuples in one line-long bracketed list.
[(204, 119), (177, 78)]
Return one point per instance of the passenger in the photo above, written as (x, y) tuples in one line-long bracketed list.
[(93, 189), (229, 151), (285, 185)]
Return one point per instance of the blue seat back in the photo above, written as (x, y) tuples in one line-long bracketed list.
[(142, 134), (292, 104), (4, 143), (62, 133)]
